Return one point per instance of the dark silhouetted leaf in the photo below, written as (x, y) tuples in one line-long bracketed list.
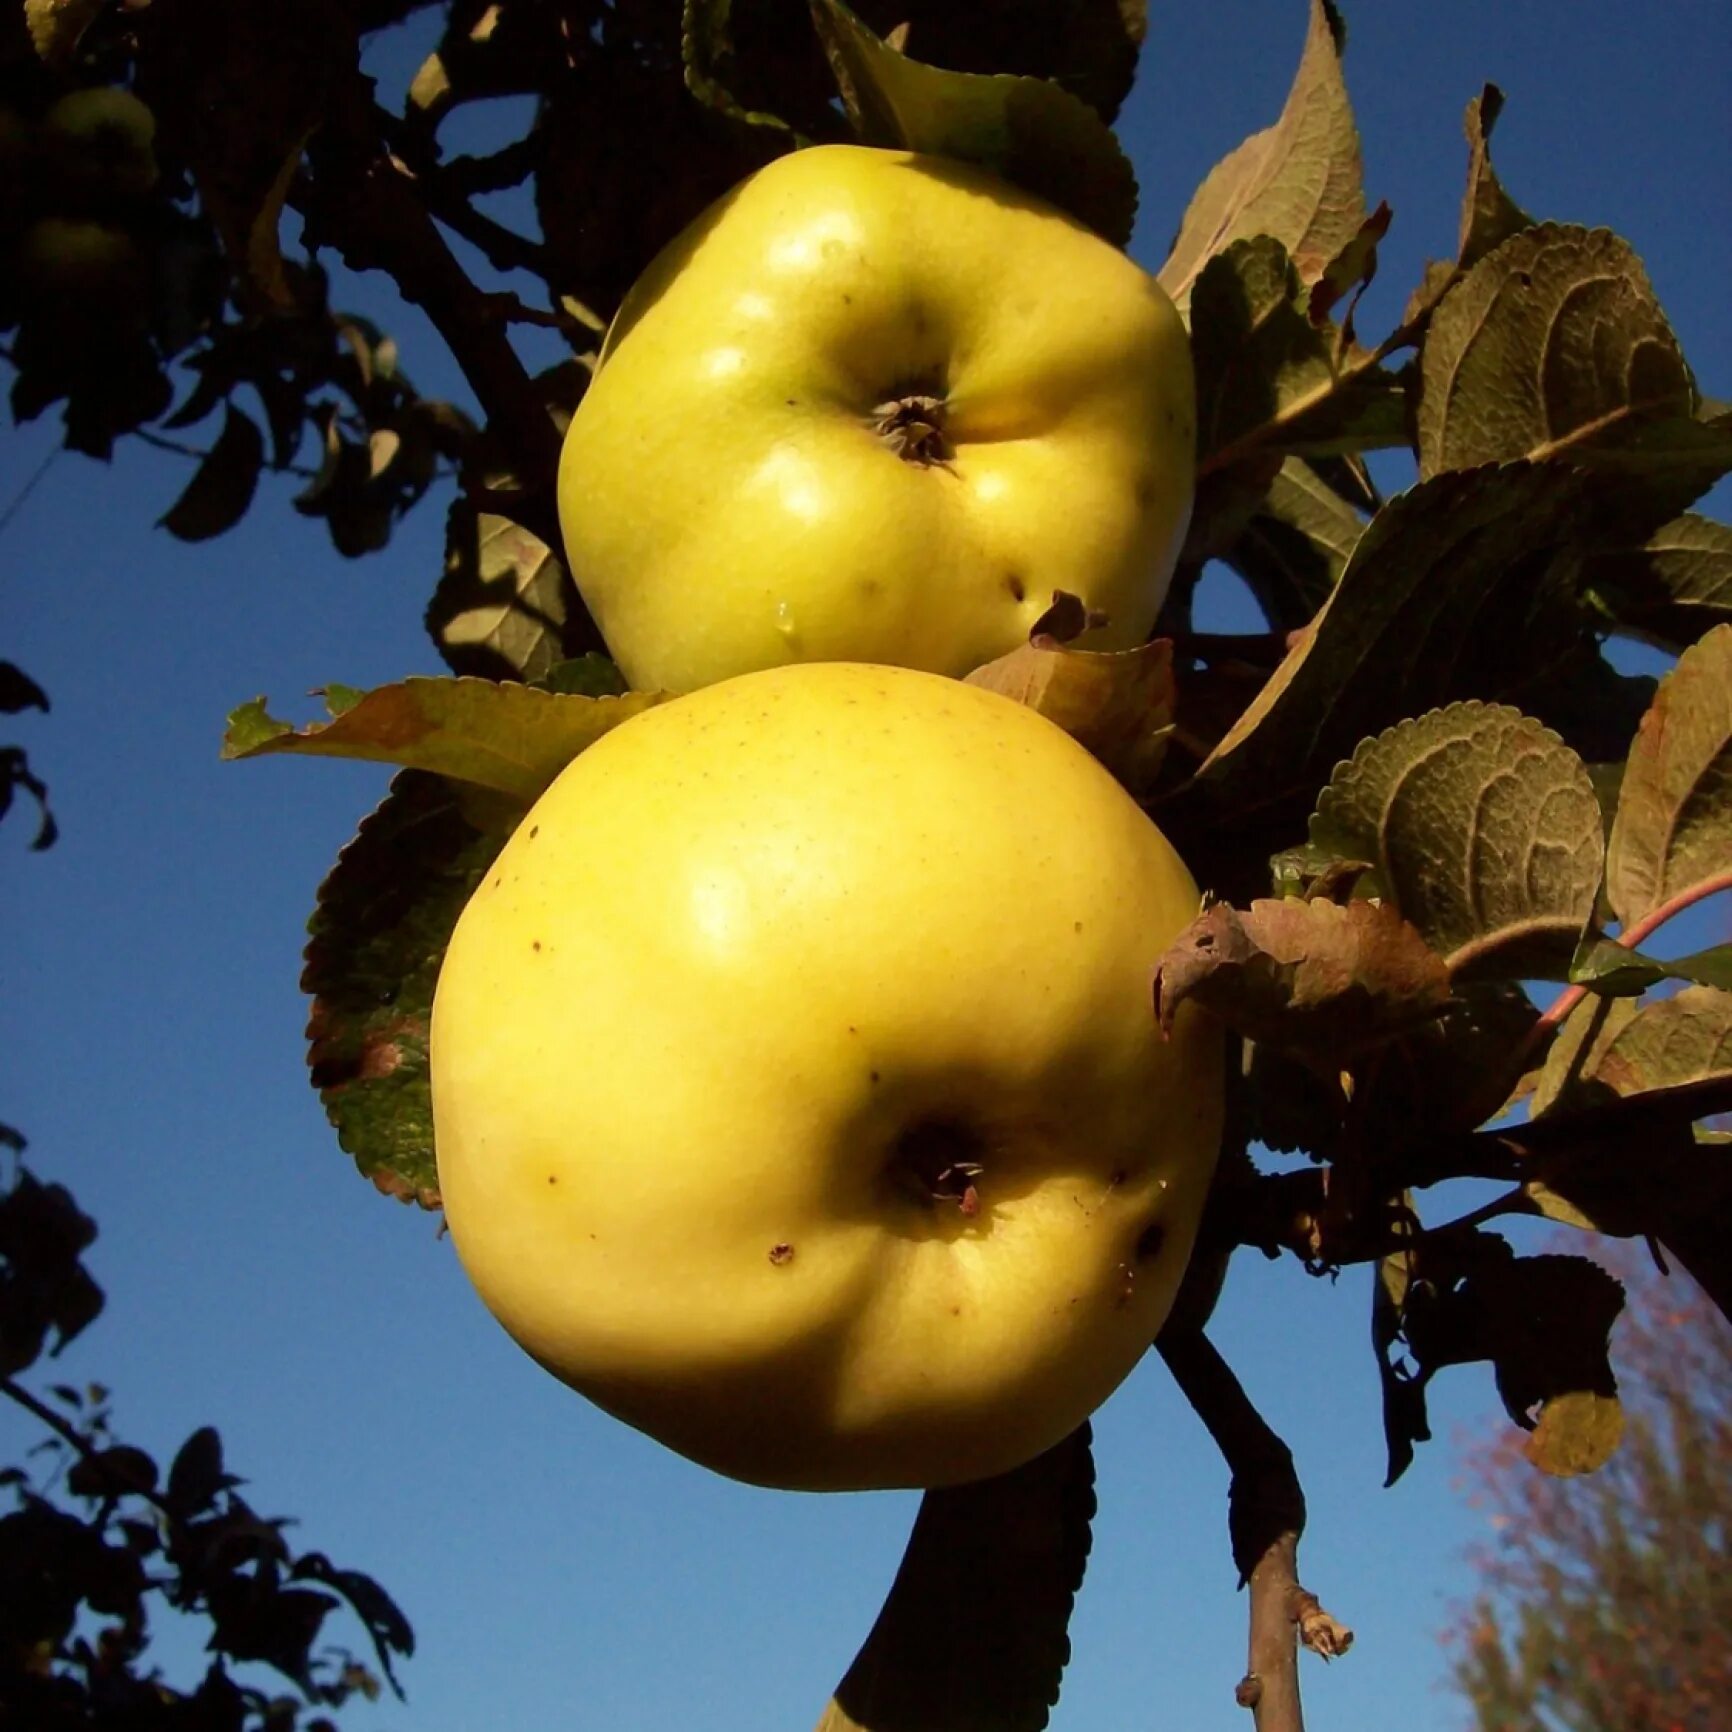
[(222, 487), (1675, 586), (18, 691), (195, 1477), (15, 773), (1007, 1556)]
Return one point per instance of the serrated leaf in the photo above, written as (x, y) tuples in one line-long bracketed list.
[(1299, 181), (511, 738), (1007, 1556), (222, 487), (1324, 980), (1673, 833), (1350, 272), (1118, 703), (1294, 548), (1577, 1432), (1551, 345), (706, 43), (1675, 586), (505, 606), (1484, 831), (1454, 591), (1269, 380), (1670, 1043), (1030, 131), (376, 939), (587, 676)]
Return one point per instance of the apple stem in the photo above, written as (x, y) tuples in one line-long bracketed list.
[(913, 427), (1265, 1517)]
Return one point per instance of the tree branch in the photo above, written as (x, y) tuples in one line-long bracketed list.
[(1266, 1516)]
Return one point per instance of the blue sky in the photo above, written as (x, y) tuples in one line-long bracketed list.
[(560, 1569)]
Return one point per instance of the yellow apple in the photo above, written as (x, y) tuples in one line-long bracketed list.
[(71, 268), (796, 1089), (103, 139), (875, 406)]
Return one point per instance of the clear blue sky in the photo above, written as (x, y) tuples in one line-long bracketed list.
[(560, 1570)]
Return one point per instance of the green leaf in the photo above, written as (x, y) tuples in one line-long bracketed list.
[(511, 738), (222, 487), (1575, 1053), (1675, 586), (1323, 980), (377, 938), (1030, 131), (1615, 972), (506, 607), (586, 676), (56, 26), (1295, 547), (1670, 1044), (1007, 1556), (1673, 833), (1299, 181), (1454, 590), (1484, 831), (1551, 346), (1268, 378), (1489, 216), (706, 48)]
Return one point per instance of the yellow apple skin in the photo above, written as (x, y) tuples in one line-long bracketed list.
[(728, 502), (756, 968)]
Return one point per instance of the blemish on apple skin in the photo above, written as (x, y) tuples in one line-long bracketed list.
[(781, 1254), (1150, 1241), (553, 1179), (534, 831), (535, 944), (872, 1076)]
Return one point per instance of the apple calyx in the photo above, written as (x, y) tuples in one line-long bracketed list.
[(934, 1162), (913, 427)]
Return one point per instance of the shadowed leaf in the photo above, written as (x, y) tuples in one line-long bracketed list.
[(1673, 830), (1119, 704), (1454, 591), (1005, 1557), (1032, 132), (1675, 586), (1299, 180), (1294, 548), (1484, 831), (377, 938)]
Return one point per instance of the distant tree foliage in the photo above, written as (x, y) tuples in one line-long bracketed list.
[(1606, 1601)]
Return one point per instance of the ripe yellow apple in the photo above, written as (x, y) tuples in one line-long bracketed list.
[(796, 1089), (875, 406), (75, 268)]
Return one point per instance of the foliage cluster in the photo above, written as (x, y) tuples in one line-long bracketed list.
[(1423, 789)]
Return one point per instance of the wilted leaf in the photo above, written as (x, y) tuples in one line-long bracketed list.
[(1030, 131), (508, 737), (377, 938), (1299, 181), (222, 487), (1268, 379), (1326, 979), (1454, 591), (1675, 586), (1119, 704), (1552, 344), (1293, 550), (1006, 1556), (505, 605), (1673, 832), (1483, 829), (1577, 1432)]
